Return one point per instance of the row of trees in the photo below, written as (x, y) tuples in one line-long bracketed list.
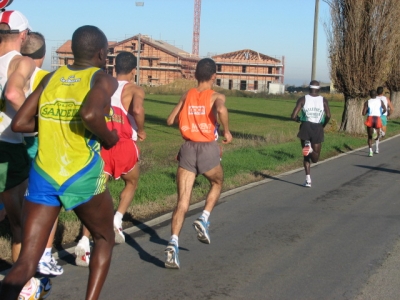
[(364, 52)]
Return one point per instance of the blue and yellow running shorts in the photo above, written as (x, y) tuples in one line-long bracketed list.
[(78, 189)]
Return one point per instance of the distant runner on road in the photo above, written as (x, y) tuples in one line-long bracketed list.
[(374, 108), (389, 109), (196, 113), (315, 114)]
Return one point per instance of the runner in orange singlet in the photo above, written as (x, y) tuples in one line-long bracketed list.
[(197, 112)]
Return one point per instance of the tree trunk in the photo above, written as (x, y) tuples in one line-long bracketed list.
[(395, 99), (352, 118)]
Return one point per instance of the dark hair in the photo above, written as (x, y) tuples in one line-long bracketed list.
[(205, 68), (5, 33), (372, 93), (379, 90), (86, 41), (35, 47), (125, 62)]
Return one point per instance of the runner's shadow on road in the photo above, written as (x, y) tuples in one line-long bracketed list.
[(265, 176), (154, 238), (379, 169), (346, 149), (143, 254)]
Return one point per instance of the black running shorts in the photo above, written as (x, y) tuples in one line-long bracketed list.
[(313, 132), (14, 165)]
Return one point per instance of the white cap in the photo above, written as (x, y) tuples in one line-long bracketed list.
[(15, 19)]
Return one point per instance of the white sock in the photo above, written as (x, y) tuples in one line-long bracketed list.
[(118, 217), (205, 215), (370, 149), (308, 178), (377, 144), (174, 238), (46, 257), (85, 240)]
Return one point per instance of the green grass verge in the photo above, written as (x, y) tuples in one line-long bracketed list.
[(265, 143)]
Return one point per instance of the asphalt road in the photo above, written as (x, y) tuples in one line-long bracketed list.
[(273, 240)]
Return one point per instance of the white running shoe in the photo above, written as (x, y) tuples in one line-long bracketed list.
[(374, 134), (307, 148), (82, 252), (201, 227), (34, 291), (377, 151), (171, 256), (119, 234), (307, 184), (49, 268)]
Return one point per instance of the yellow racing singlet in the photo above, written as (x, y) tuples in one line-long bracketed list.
[(68, 163)]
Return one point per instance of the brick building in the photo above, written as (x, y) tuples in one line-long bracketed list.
[(162, 63), (248, 70)]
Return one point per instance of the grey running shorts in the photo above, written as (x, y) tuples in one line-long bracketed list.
[(199, 157), (313, 132), (14, 165)]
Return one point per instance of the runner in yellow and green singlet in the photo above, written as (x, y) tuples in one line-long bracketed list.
[(68, 170)]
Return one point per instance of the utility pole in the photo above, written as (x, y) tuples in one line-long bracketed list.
[(314, 53), (196, 27)]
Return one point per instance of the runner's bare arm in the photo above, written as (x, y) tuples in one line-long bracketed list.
[(14, 92), (173, 117), (92, 110), (391, 107), (136, 109), (327, 111), (383, 107), (365, 108), (222, 112), (299, 104), (26, 118)]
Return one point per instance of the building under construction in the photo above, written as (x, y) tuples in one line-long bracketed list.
[(248, 70), (162, 63)]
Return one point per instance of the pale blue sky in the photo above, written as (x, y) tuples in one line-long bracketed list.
[(271, 27)]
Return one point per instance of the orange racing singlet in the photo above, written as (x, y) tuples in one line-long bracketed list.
[(197, 120)]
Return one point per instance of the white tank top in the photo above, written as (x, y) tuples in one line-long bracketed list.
[(7, 113), (123, 129), (313, 109), (385, 101), (374, 107)]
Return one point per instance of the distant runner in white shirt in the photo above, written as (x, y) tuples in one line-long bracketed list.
[(374, 108), (315, 114)]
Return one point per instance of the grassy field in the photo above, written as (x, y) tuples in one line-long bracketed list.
[(264, 144)]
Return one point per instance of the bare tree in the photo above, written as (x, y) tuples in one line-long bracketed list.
[(360, 45), (393, 83)]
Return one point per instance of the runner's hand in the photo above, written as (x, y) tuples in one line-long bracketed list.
[(141, 135), (227, 137)]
